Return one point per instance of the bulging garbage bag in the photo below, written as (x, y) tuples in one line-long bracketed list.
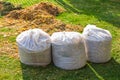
[(98, 44), (68, 50), (34, 47)]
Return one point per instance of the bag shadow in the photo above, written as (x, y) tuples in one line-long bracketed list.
[(92, 71)]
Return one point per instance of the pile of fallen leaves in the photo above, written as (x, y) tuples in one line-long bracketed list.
[(42, 16), (6, 7)]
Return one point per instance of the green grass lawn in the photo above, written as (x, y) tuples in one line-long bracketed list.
[(103, 13)]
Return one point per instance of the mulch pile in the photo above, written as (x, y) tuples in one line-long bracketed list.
[(6, 7), (36, 12), (41, 16)]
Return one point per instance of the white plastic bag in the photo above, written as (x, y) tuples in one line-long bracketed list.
[(34, 47), (68, 50), (98, 44)]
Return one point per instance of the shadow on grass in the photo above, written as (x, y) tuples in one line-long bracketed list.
[(104, 10), (106, 71)]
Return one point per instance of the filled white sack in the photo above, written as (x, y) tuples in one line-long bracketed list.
[(68, 50), (98, 44), (34, 47)]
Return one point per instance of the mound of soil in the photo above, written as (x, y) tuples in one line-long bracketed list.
[(6, 7)]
